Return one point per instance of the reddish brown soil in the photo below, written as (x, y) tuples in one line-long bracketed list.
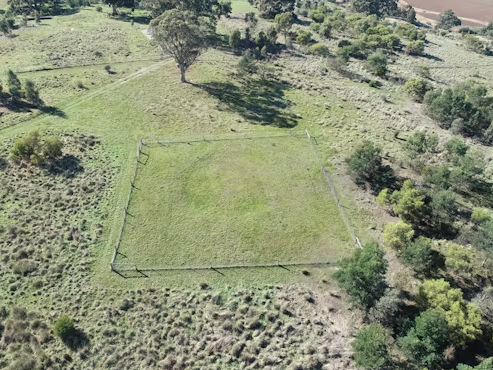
[(475, 9)]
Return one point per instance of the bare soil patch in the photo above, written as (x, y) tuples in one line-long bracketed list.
[(481, 10)]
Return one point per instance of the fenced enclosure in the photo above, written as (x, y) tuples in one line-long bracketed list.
[(230, 201)]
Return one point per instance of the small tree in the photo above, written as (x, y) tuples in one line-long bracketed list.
[(183, 35), (371, 347), (235, 39), (448, 20), (409, 202), (424, 344), (64, 327), (13, 83), (363, 275), (37, 17), (31, 93), (325, 30), (271, 8), (365, 162), (411, 16), (283, 23), (4, 26), (417, 88), (52, 148), (377, 63), (377, 7), (386, 308), (415, 48), (115, 4), (304, 37), (397, 235)]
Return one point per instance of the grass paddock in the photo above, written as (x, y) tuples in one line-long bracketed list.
[(231, 202)]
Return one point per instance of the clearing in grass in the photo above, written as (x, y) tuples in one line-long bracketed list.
[(229, 202)]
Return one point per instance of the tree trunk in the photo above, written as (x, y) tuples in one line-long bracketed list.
[(182, 72)]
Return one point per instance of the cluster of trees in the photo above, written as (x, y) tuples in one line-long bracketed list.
[(16, 92), (46, 7), (36, 149), (466, 109), (270, 8), (7, 23), (444, 321)]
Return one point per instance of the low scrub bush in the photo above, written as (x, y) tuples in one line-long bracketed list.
[(36, 149), (417, 88), (319, 49), (415, 48), (63, 327)]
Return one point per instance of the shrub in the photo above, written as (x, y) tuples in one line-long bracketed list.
[(99, 9), (107, 68), (456, 148), (363, 275), (377, 64), (325, 30), (474, 44), (13, 81), (443, 207), (235, 39), (424, 71), (415, 48), (33, 148), (464, 319), (64, 327), (31, 93), (397, 235), (383, 198), (448, 19), (417, 88), (304, 37), (319, 49), (371, 347), (424, 344)]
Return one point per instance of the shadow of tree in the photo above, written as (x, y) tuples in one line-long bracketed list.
[(53, 111), (76, 340), (67, 166), (261, 100)]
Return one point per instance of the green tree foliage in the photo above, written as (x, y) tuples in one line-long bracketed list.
[(380, 37), (417, 88), (115, 4), (397, 235), (468, 106), (387, 308), (438, 176), (425, 342), (472, 43), (485, 365), (377, 64), (415, 48), (419, 256), (421, 143), (383, 198), (408, 202), (64, 327), (235, 39), (283, 23), (377, 7), (270, 8), (212, 9), (304, 38), (443, 206), (247, 63), (365, 166), (411, 16), (31, 93), (319, 49), (6, 25), (363, 275), (458, 258), (456, 148), (14, 84), (464, 319), (448, 20), (183, 35), (325, 30), (480, 215), (34, 148), (371, 347), (251, 20), (484, 301)]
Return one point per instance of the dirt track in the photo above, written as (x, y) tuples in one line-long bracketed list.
[(474, 11)]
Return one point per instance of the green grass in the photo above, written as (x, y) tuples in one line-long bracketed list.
[(242, 6), (232, 202)]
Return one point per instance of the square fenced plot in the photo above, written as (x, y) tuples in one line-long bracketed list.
[(231, 202)]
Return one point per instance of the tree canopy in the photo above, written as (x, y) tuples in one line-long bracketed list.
[(377, 7), (212, 9), (363, 275), (183, 35), (270, 8), (448, 19), (371, 347)]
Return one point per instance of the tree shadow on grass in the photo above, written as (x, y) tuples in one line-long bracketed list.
[(53, 111), (77, 339), (67, 166), (261, 100)]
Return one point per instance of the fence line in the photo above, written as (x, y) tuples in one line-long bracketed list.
[(125, 208), (133, 267), (333, 191), (149, 142)]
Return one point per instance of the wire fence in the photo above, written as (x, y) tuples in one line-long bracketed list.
[(153, 142), (125, 208), (333, 191)]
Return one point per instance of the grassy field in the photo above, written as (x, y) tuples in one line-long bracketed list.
[(242, 6), (232, 202)]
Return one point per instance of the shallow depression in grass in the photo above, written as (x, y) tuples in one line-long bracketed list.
[(229, 202)]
